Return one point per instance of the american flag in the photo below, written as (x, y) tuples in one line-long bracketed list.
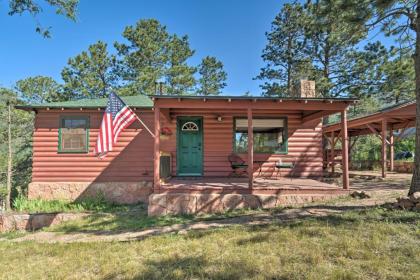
[(117, 117)]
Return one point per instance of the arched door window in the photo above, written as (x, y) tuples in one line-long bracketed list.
[(189, 126)]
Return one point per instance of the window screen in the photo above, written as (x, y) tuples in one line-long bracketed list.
[(270, 135), (73, 134)]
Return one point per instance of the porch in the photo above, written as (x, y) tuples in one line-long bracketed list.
[(240, 185), (220, 194), (200, 133)]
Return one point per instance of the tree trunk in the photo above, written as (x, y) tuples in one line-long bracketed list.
[(9, 158), (289, 67), (415, 182)]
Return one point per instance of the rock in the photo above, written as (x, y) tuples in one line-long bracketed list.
[(359, 194), (415, 197), (405, 203), (417, 207)]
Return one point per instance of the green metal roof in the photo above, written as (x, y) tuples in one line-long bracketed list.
[(138, 101), (236, 97)]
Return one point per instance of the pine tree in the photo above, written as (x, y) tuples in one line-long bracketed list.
[(90, 74), (330, 45), (180, 76), (39, 89), (284, 53), (212, 76), (143, 61), (152, 55)]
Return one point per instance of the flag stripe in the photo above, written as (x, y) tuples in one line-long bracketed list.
[(119, 118), (126, 123)]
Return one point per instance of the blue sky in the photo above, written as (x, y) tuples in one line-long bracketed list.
[(233, 31)]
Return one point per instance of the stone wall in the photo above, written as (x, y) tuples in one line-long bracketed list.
[(12, 222), (118, 192), (184, 203), (399, 166), (404, 166)]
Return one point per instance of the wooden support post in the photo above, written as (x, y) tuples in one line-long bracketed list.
[(250, 149), (383, 138), (156, 162), (345, 150), (350, 145), (391, 149), (332, 156)]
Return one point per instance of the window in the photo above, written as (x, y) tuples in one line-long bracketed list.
[(73, 136), (270, 135), (189, 126)]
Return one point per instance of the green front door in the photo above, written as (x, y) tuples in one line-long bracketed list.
[(190, 146)]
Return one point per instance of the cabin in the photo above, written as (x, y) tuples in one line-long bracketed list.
[(210, 153)]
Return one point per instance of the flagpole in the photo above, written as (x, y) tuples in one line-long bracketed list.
[(142, 123)]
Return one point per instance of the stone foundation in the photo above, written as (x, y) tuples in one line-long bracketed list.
[(12, 222), (184, 203), (118, 192), (403, 166)]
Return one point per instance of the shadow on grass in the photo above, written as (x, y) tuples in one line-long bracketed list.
[(137, 220), (195, 267), (353, 215)]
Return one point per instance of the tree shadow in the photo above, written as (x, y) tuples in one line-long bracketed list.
[(195, 267)]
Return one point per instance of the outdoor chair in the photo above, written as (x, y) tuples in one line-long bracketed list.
[(238, 165), (280, 164)]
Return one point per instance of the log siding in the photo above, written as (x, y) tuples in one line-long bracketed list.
[(132, 158), (130, 161)]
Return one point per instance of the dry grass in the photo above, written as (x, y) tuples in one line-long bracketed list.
[(368, 244)]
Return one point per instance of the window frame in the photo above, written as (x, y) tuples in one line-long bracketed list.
[(285, 151), (61, 125)]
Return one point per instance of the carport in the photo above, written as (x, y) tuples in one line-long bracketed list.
[(383, 123)]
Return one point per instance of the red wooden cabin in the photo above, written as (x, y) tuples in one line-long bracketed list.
[(187, 169)]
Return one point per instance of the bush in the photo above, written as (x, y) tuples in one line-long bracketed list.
[(98, 204)]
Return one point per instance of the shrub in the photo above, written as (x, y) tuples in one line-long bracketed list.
[(98, 204)]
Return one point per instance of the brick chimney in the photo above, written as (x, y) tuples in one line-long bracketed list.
[(305, 89)]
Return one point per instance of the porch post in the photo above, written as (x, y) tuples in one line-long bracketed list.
[(391, 149), (156, 163), (332, 152), (345, 149), (250, 149), (383, 138)]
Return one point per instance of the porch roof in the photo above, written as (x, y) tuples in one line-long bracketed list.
[(398, 116), (311, 108), (253, 98)]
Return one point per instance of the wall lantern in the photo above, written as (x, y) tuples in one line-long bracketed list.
[(219, 118)]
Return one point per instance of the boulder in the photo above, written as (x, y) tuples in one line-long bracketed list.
[(359, 194), (405, 203), (415, 197)]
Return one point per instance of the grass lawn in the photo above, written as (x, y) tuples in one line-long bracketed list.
[(135, 218), (367, 244)]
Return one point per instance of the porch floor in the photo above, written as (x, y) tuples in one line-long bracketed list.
[(240, 185)]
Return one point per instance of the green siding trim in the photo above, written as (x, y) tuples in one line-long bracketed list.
[(285, 151), (61, 124)]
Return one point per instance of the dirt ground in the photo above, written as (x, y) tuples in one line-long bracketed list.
[(380, 190)]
